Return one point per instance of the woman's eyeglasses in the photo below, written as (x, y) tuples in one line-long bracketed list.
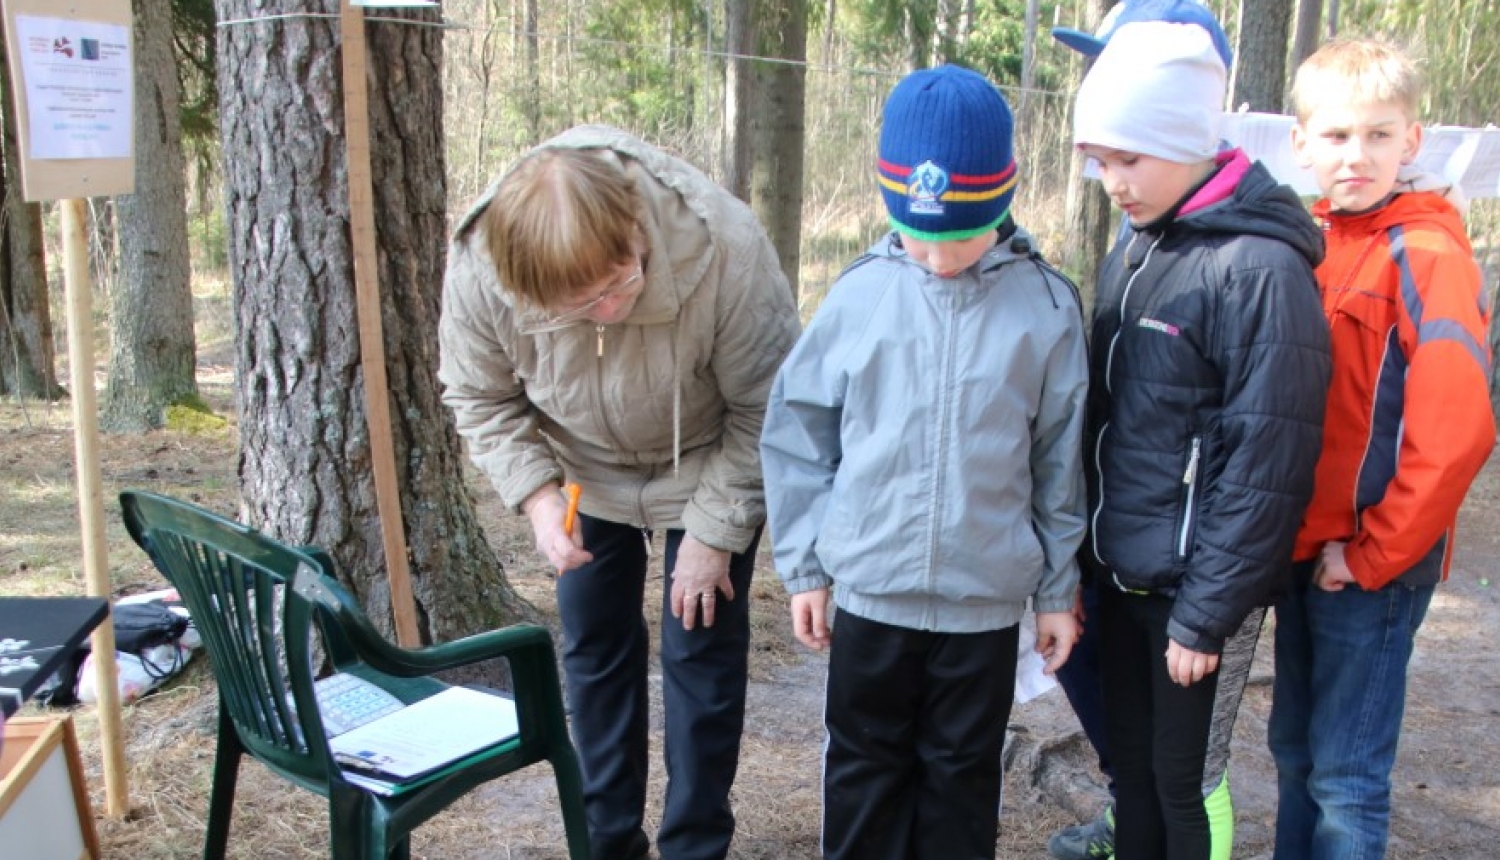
[(577, 313)]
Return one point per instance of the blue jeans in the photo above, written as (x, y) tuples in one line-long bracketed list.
[(1336, 714)]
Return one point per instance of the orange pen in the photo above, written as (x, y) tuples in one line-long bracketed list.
[(573, 492)]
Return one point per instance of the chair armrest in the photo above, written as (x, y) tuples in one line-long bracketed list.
[(518, 641), (515, 642)]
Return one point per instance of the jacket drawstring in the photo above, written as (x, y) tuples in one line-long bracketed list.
[(676, 403)]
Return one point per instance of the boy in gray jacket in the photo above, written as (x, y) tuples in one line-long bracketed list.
[(921, 452)]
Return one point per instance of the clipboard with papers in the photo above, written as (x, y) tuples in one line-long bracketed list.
[(419, 742)]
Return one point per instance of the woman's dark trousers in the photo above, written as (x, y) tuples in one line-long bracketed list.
[(605, 656)]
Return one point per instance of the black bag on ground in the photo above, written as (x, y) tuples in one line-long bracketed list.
[(139, 626)]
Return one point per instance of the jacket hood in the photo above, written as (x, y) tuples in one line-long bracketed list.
[(1255, 204)]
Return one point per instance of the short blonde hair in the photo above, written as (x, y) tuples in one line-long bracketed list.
[(1357, 71), (560, 220)]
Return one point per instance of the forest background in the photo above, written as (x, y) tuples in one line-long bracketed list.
[(224, 286)]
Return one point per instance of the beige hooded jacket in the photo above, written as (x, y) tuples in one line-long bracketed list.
[(657, 417)]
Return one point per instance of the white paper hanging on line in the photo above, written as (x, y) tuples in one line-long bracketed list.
[(79, 91), (1468, 157)]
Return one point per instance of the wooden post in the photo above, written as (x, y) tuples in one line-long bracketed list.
[(371, 333), (79, 289)]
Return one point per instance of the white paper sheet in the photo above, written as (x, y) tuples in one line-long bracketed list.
[(427, 735)]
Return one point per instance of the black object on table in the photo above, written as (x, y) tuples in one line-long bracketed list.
[(37, 635)]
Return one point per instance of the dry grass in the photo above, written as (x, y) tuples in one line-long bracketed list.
[(1446, 795)]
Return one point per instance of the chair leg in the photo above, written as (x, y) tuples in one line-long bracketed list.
[(221, 800), (349, 836), (570, 797), (402, 849)]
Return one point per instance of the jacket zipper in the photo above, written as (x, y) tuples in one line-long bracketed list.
[(1190, 480), (943, 418), (599, 398), (1109, 363)]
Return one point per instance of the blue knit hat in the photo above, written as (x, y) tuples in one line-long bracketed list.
[(947, 171)]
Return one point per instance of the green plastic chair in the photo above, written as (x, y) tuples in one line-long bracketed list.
[(255, 601)]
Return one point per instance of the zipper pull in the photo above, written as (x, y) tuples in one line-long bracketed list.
[(599, 332), (1192, 467)]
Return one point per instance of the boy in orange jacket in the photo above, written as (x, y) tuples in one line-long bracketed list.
[(1408, 427)]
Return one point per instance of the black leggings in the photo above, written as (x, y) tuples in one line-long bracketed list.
[(1157, 730)]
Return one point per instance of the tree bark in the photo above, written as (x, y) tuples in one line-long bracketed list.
[(1308, 34), (1088, 206), (305, 468), (27, 360), (533, 105), (830, 29), (1028, 54), (780, 131), (739, 80), (153, 353), (942, 33), (1260, 61)]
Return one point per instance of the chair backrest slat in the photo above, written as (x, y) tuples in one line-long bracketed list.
[(235, 583)]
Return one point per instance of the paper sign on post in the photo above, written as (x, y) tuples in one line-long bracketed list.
[(71, 73), (79, 92)]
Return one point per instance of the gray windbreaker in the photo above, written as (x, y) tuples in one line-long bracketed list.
[(657, 417), (922, 443)]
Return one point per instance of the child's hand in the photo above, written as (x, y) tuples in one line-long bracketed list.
[(1186, 667), (810, 618), (1056, 633), (1333, 573)]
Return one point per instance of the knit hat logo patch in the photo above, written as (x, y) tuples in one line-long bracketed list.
[(928, 182)]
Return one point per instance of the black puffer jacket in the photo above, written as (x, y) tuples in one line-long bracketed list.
[(1210, 369)]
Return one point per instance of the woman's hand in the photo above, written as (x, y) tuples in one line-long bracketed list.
[(698, 576), (547, 508)]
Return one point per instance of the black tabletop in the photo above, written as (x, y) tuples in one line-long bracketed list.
[(36, 636)]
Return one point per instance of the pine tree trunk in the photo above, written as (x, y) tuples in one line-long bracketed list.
[(1260, 60), (533, 104), (1308, 33), (739, 79), (305, 461), (27, 365), (153, 353), (780, 131), (1088, 205)]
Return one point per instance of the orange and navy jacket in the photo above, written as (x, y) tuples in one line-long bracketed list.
[(1409, 422)]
